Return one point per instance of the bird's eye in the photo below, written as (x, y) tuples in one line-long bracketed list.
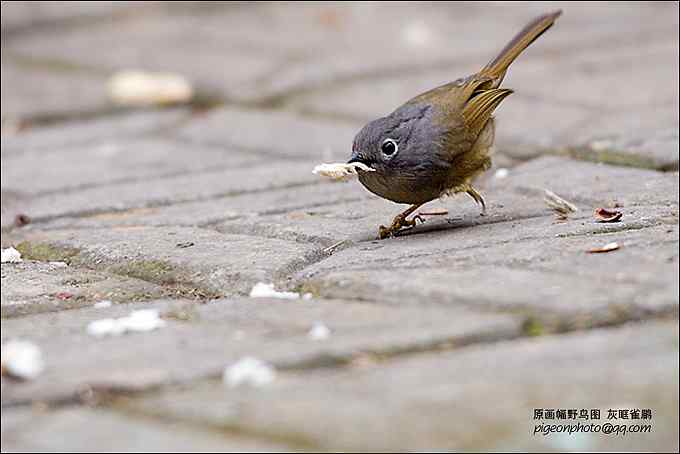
[(389, 147)]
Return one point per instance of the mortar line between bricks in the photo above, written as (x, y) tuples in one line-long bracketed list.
[(213, 428), (257, 151), (159, 204), (83, 22), (95, 395), (283, 99), (148, 133), (149, 178), (378, 359)]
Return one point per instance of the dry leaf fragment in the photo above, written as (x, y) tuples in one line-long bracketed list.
[(606, 248), (561, 207), (435, 212), (604, 215), (21, 220)]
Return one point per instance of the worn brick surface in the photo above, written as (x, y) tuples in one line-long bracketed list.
[(33, 287), (481, 398), (210, 183), (92, 130), (445, 337), (87, 430), (211, 262), (79, 167), (201, 339), (68, 93)]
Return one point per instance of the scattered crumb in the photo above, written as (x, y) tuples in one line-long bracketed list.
[(561, 207), (11, 255), (102, 304), (604, 215), (22, 360), (59, 264), (339, 171), (248, 371), (606, 248), (319, 331), (307, 296), (501, 173), (140, 321), (262, 290), (139, 88)]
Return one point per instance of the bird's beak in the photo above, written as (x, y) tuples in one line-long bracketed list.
[(357, 158)]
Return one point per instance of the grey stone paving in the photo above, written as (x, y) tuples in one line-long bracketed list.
[(446, 337), (482, 398), (33, 287), (26, 430)]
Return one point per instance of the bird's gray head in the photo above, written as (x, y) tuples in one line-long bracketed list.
[(397, 142)]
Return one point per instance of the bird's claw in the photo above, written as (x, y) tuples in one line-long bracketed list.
[(398, 223)]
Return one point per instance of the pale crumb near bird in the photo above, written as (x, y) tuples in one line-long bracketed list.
[(319, 331), (248, 371), (262, 290), (11, 255), (22, 360), (501, 173), (102, 304), (138, 321)]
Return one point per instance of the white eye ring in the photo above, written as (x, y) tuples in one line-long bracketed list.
[(389, 147)]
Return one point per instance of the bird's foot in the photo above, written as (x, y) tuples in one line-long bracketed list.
[(399, 223), (472, 192)]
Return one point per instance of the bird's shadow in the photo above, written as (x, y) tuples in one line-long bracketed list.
[(452, 223)]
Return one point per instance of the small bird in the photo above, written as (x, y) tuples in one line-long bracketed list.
[(437, 142)]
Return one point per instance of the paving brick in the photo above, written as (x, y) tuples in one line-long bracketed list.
[(33, 287), (212, 183), (479, 398), (239, 208), (183, 44), (274, 133), (87, 430), (26, 95), (199, 259), (22, 15), (92, 130), (201, 339), (113, 161)]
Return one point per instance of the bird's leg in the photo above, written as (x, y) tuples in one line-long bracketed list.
[(400, 221), (472, 192)]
